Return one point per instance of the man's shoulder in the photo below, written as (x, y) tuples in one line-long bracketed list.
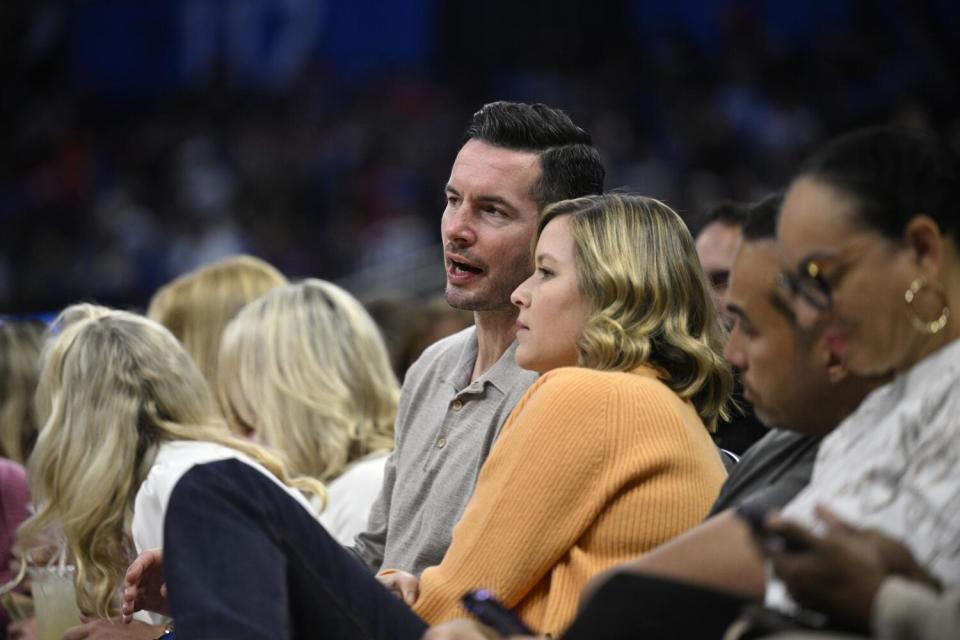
[(780, 444)]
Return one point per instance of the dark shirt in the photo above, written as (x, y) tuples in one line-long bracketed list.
[(770, 473), (743, 429)]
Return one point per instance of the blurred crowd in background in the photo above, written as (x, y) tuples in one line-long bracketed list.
[(140, 140)]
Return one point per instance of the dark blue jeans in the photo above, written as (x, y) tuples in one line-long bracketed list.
[(243, 560)]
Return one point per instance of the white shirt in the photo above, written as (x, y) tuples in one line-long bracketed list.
[(351, 495), (894, 465), (173, 460)]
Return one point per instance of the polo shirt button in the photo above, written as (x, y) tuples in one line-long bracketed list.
[(441, 441), (457, 404)]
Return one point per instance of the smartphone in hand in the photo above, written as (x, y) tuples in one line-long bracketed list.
[(755, 517), (484, 607)]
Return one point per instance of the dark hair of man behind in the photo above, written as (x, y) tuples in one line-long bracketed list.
[(570, 164), (733, 214), (761, 220), (894, 174)]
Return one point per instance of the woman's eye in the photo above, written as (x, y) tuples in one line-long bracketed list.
[(544, 273)]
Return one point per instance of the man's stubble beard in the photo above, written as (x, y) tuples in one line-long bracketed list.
[(496, 300)]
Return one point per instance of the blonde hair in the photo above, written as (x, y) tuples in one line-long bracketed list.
[(198, 305), (20, 344), (114, 386), (638, 267), (306, 368)]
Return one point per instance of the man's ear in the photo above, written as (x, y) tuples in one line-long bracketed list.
[(923, 237)]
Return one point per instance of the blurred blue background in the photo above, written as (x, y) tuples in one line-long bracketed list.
[(142, 138)]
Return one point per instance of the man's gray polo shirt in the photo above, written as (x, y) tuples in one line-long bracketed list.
[(445, 428)]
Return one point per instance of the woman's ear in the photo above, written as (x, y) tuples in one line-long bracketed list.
[(924, 239)]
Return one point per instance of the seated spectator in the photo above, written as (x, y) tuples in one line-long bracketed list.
[(720, 235), (304, 372), (598, 462), (721, 231), (125, 413), (869, 234), (14, 503), (197, 306), (20, 344)]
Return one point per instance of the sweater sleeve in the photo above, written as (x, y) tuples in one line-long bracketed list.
[(566, 452)]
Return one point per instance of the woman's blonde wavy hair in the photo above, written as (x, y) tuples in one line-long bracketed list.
[(198, 305), (113, 386), (638, 268), (20, 344), (306, 369)]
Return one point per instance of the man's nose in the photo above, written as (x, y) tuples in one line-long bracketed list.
[(806, 314), (458, 226), (733, 350)]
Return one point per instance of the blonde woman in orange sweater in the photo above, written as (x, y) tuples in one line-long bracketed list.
[(608, 454)]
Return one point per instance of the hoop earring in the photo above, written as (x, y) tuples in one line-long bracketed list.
[(921, 325)]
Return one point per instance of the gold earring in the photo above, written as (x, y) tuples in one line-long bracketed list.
[(921, 325)]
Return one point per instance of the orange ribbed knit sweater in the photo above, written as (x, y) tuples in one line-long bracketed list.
[(591, 469)]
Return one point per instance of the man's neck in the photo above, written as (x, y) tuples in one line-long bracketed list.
[(496, 331)]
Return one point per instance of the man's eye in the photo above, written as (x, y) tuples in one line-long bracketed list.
[(452, 201)]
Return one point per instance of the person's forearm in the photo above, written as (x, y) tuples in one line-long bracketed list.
[(718, 554), (908, 610)]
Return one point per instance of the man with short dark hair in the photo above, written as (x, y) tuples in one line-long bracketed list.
[(717, 242), (517, 159)]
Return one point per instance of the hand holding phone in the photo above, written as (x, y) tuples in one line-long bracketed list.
[(771, 541), (485, 608)]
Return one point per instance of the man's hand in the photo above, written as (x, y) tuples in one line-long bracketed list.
[(101, 629), (839, 573), (404, 585), (143, 585)]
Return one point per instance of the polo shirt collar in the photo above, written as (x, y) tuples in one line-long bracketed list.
[(502, 375)]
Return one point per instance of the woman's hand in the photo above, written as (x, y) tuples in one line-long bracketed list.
[(404, 585), (839, 573), (143, 585)]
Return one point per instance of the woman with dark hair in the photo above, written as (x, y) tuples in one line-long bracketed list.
[(869, 239)]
